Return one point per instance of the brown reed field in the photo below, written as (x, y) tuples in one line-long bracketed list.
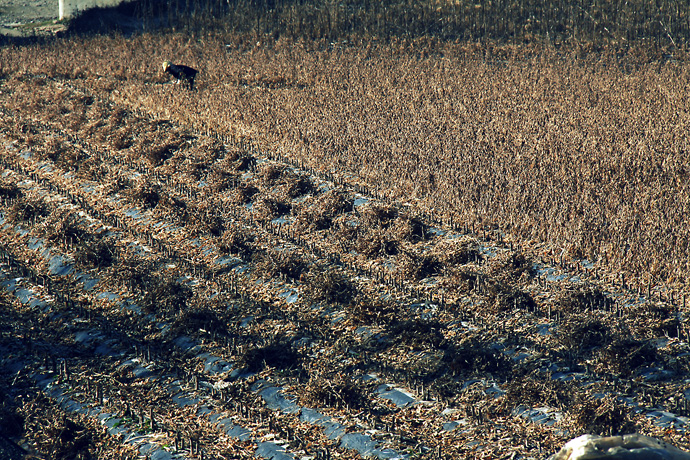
[(417, 229)]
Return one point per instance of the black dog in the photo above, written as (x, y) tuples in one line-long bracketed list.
[(183, 73)]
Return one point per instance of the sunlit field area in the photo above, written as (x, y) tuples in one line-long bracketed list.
[(419, 230)]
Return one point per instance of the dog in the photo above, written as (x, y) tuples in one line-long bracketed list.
[(183, 73)]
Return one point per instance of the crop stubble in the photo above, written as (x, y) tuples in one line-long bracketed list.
[(583, 155), (584, 152)]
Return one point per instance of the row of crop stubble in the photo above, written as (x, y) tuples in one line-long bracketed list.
[(584, 151), (52, 124)]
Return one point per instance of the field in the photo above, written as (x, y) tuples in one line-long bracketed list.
[(340, 245)]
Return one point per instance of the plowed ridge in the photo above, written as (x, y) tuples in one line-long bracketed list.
[(197, 297)]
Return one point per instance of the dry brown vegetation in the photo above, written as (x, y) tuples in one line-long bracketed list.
[(331, 217), (584, 151)]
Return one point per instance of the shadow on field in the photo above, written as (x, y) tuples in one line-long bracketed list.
[(125, 19), (353, 20)]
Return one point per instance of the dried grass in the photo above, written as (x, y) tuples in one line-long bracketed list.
[(64, 228), (409, 228), (539, 390), (27, 209), (244, 193), (10, 190), (379, 215), (336, 390), (279, 354), (458, 252), (525, 166), (284, 263), (165, 296), (373, 242), (367, 311), (582, 336), (270, 207), (461, 280), (137, 272), (100, 253), (537, 175), (606, 416), (475, 357), (579, 301), (146, 194), (525, 140), (625, 355), (328, 286), (204, 220), (510, 266), (417, 334), (321, 216), (419, 266), (508, 298), (236, 240), (71, 441), (220, 180), (191, 321)]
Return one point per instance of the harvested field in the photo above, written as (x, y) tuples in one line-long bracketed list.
[(391, 250)]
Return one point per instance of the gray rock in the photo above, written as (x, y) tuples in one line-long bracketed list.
[(627, 447)]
